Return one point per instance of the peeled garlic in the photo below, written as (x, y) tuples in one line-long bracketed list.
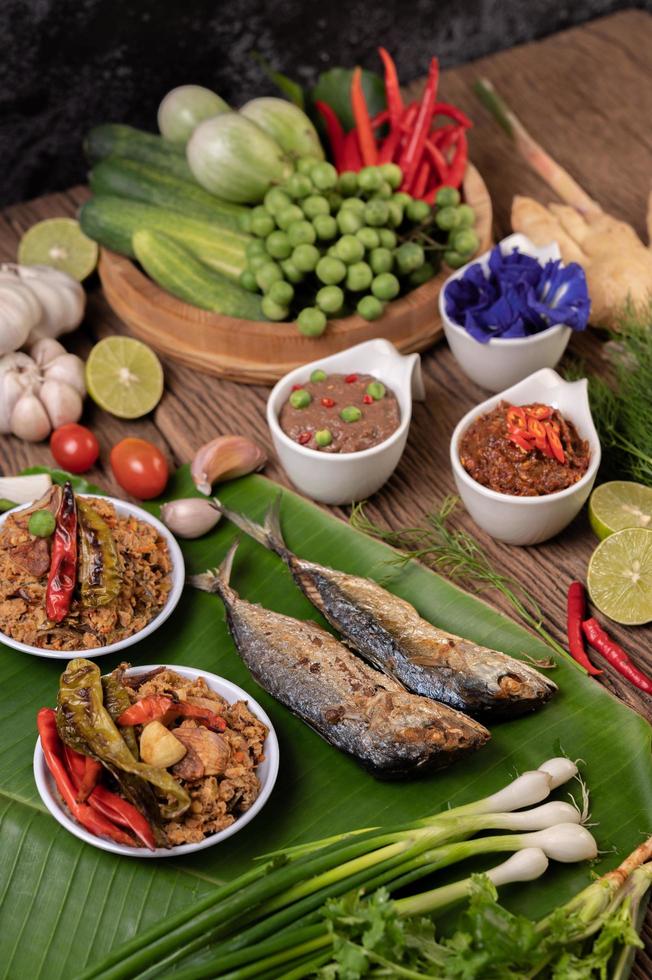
[(62, 402), (29, 420), (159, 747), (69, 369), (225, 458), (191, 517)]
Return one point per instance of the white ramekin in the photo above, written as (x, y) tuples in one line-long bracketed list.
[(177, 574), (341, 478), (502, 362), (530, 520)]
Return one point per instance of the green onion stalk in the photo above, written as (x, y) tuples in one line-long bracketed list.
[(287, 888)]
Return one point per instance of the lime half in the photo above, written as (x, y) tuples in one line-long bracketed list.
[(124, 377), (620, 504), (60, 243), (619, 578)]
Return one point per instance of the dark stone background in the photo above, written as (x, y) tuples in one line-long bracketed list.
[(68, 64)]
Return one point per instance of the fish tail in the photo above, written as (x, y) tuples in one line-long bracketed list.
[(268, 534), (217, 579)]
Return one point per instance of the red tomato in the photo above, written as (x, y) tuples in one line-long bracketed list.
[(140, 468), (74, 447)]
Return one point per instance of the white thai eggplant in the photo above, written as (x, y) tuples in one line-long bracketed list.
[(287, 124)]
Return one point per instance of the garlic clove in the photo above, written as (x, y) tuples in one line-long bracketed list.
[(66, 367), (29, 420), (45, 350), (191, 517), (225, 458), (62, 402), (159, 747)]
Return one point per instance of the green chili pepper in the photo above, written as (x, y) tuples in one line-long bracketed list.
[(100, 570), (41, 524), (83, 720), (117, 700)]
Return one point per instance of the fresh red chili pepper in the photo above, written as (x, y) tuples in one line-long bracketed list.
[(352, 158), (90, 778), (362, 120), (411, 156), (520, 441), (407, 124), (109, 804), (540, 411), (158, 707), (380, 119), (575, 613), (444, 136), (389, 146), (555, 443), (516, 417), (431, 193), (419, 185), (536, 428), (304, 437), (457, 167), (52, 747), (615, 655), (367, 400), (328, 402), (63, 563), (335, 133), (437, 160), (446, 109), (392, 89), (350, 378)]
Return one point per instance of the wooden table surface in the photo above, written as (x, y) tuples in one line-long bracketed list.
[(587, 96)]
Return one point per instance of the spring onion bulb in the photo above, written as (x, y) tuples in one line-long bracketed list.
[(560, 770), (525, 865)]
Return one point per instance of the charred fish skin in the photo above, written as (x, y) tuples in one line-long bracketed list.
[(389, 633), (392, 733)]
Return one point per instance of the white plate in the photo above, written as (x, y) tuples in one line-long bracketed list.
[(178, 575), (267, 772)]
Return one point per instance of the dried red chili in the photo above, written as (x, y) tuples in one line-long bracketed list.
[(328, 402), (63, 563)]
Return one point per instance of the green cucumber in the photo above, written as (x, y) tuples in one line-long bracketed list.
[(179, 272), (113, 139), (140, 182), (113, 221)]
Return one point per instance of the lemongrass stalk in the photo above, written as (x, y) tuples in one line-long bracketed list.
[(533, 153)]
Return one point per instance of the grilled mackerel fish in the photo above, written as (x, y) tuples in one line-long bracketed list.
[(357, 709), (389, 633)]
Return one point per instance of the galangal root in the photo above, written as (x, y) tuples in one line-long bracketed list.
[(617, 264)]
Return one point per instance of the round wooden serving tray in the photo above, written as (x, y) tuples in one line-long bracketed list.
[(259, 352)]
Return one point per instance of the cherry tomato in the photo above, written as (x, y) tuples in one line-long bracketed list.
[(140, 468), (74, 447)]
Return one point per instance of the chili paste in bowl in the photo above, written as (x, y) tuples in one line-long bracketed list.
[(524, 450), (340, 413)]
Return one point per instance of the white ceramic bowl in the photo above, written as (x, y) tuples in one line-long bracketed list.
[(341, 478), (530, 520), (178, 575), (502, 362), (267, 773)]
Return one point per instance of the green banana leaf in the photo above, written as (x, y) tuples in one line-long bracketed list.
[(64, 903)]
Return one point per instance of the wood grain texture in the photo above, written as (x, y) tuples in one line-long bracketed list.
[(260, 353), (584, 94)]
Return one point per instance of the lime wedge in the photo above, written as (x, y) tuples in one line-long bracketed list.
[(619, 578), (620, 504), (60, 243), (124, 377)]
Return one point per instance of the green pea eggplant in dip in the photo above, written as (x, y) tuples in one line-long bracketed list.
[(340, 413), (524, 450)]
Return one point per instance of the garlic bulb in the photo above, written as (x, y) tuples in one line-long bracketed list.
[(29, 420), (20, 311), (37, 301), (61, 401), (33, 399), (62, 299)]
